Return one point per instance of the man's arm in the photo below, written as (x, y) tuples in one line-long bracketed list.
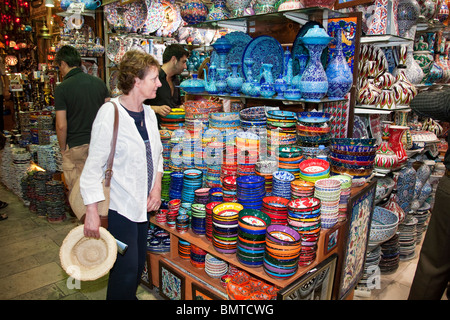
[(61, 129), (162, 110)]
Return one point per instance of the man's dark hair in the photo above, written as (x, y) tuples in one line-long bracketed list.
[(70, 55), (174, 50)]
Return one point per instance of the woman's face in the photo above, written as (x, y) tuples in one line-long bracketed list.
[(150, 83)]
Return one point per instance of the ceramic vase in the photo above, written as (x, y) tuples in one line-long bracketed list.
[(385, 158), (280, 85), (427, 9), (408, 66), (443, 12), (384, 18), (339, 75), (393, 206), (221, 82), (193, 11), (290, 5), (302, 62), (265, 74), (319, 3), (218, 11), (210, 79), (234, 80), (237, 7), (255, 89), (222, 47), (396, 144), (405, 183), (407, 15), (368, 93), (314, 82), (247, 85), (264, 6), (267, 90)]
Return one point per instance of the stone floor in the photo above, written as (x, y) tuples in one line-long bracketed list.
[(30, 267)]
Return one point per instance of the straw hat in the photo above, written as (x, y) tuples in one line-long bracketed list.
[(85, 258)]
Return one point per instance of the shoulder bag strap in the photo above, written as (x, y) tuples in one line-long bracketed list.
[(109, 163)]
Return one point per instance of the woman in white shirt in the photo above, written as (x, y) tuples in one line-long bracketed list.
[(137, 170)]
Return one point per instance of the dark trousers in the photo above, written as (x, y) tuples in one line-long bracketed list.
[(2, 121), (125, 275), (433, 269)]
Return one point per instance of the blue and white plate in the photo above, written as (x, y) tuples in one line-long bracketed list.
[(264, 49), (239, 41)]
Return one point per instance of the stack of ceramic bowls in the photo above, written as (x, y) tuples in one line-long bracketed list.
[(208, 219), (174, 205), (197, 256), (313, 128), (215, 267), (161, 216), (281, 184), (176, 145), (225, 121), (265, 168), (176, 185), (304, 217), (346, 186), (197, 113), (201, 195), (301, 189), (229, 161), (276, 208), (314, 152), (289, 158), (250, 191), (184, 249), (198, 218), (165, 185), (171, 218), (314, 169), (252, 225), (407, 231), (215, 194), (225, 227), (182, 223), (329, 193), (229, 189), (192, 180), (254, 119), (158, 240), (383, 226), (247, 144), (213, 162), (281, 129), (165, 136), (283, 245), (353, 156), (173, 119)]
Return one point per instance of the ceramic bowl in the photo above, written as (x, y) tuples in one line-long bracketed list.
[(383, 218)]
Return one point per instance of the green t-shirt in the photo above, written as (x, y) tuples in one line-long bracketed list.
[(81, 95)]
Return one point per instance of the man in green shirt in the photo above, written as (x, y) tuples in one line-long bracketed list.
[(77, 100)]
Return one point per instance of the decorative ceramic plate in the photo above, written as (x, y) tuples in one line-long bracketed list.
[(239, 41), (112, 50), (113, 80), (264, 49), (111, 13), (298, 47), (172, 19), (135, 16), (155, 16)]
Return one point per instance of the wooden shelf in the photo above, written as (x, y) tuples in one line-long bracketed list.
[(203, 243)]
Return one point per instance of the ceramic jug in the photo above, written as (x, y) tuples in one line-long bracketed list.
[(210, 80), (234, 80)]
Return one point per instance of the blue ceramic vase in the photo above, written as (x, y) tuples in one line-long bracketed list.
[(314, 82), (234, 80), (247, 85), (339, 75)]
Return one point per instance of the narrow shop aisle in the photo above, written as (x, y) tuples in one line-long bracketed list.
[(30, 267)]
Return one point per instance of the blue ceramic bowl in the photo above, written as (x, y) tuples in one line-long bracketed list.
[(292, 94)]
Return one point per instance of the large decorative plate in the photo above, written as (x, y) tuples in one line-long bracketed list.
[(239, 41), (111, 13), (298, 47), (264, 49), (172, 19), (112, 49), (135, 16), (155, 16)]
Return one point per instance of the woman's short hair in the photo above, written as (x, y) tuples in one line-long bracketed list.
[(69, 55), (174, 50), (134, 64)]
